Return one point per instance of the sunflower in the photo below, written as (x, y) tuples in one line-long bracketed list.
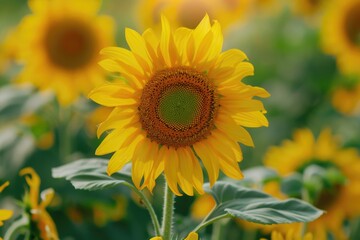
[(309, 7), (5, 214), (267, 7), (290, 235), (59, 44), (40, 218), (189, 13), (202, 206), (341, 201), (347, 100), (341, 34), (183, 101)]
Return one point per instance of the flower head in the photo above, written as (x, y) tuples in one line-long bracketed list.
[(189, 13), (183, 100), (341, 34), (59, 44), (339, 198), (290, 235), (39, 216), (347, 100)]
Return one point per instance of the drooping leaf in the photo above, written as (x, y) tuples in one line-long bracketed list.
[(255, 206), (90, 174)]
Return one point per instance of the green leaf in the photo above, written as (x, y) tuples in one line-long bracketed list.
[(90, 174), (255, 206), (292, 185)]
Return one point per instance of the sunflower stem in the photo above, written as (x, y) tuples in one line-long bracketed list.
[(168, 212), (219, 230), (208, 222), (149, 207)]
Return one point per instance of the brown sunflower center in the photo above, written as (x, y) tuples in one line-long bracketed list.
[(328, 197), (70, 44), (178, 106), (329, 180), (352, 25)]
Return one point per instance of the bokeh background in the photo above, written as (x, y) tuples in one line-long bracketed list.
[(282, 39)]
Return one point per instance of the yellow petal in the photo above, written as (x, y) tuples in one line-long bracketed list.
[(142, 162), (117, 121), (4, 185), (114, 140), (124, 58), (112, 95), (167, 44), (192, 236), (46, 196), (5, 214), (112, 66), (210, 162), (122, 156), (251, 119), (156, 238), (171, 165), (138, 47), (33, 180), (228, 126), (185, 172)]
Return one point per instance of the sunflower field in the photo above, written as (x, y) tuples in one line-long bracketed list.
[(180, 119)]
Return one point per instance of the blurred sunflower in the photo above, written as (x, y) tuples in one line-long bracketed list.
[(41, 224), (309, 7), (184, 100), (5, 214), (189, 13), (202, 206), (191, 236), (347, 100), (341, 34), (63, 54), (266, 7), (290, 235), (340, 199)]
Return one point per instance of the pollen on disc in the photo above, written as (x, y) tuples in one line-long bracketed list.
[(178, 106)]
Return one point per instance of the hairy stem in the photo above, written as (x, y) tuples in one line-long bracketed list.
[(168, 212)]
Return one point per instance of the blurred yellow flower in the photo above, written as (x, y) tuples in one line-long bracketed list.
[(39, 215), (40, 129), (156, 238), (341, 34), (59, 44), (340, 202), (192, 236), (102, 213), (5, 214), (8, 52), (183, 99), (309, 7), (98, 115), (202, 206), (266, 7), (189, 13), (290, 235), (347, 100)]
